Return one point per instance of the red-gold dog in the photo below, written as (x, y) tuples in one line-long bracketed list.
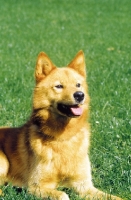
[(50, 150)]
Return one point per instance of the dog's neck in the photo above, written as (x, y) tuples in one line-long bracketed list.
[(54, 127)]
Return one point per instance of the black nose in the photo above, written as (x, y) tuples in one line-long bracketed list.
[(79, 96)]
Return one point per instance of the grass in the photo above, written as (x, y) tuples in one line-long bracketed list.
[(61, 28)]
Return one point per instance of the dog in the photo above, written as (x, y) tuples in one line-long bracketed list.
[(51, 149)]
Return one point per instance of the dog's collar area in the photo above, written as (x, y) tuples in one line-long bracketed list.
[(70, 110)]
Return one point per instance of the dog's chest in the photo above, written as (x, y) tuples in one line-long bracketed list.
[(61, 159), (62, 156)]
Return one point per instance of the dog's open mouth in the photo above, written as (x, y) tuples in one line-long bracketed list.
[(70, 110)]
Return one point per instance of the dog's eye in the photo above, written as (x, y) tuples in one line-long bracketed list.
[(78, 85), (59, 86)]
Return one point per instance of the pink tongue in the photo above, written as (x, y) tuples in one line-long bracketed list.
[(76, 111)]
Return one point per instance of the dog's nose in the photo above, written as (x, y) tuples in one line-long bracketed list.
[(79, 96)]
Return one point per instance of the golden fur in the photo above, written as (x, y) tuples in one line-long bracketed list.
[(51, 149)]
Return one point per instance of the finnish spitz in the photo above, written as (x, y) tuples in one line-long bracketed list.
[(51, 149)]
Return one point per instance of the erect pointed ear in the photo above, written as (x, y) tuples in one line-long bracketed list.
[(78, 63), (43, 66)]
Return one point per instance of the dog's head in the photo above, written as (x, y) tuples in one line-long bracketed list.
[(61, 91)]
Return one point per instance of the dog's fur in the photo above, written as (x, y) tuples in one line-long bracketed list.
[(51, 149)]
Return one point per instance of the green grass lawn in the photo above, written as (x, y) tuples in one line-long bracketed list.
[(102, 29)]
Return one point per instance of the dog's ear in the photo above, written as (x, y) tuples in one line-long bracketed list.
[(78, 63), (43, 66)]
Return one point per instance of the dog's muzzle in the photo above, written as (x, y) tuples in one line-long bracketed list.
[(73, 110)]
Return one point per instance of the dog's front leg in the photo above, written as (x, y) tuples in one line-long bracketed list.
[(47, 192), (88, 191)]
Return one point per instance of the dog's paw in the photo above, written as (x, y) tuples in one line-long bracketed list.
[(63, 196), (1, 193), (57, 195)]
